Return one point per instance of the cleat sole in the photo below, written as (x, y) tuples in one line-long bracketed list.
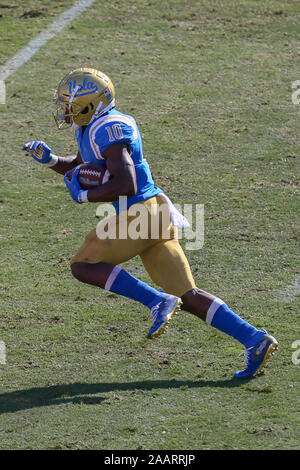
[(165, 326), (271, 351)]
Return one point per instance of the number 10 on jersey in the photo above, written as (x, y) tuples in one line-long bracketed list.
[(114, 132)]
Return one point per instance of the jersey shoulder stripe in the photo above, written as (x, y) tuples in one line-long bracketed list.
[(110, 121)]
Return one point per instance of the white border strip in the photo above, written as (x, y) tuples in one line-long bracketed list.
[(212, 309), (112, 277), (2, 92), (35, 44), (2, 353)]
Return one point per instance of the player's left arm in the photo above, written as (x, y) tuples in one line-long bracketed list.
[(121, 167)]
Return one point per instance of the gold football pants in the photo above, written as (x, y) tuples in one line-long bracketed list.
[(157, 245)]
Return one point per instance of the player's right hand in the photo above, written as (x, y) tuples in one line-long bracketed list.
[(38, 150), (73, 185)]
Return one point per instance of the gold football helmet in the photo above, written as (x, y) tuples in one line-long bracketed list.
[(81, 96)]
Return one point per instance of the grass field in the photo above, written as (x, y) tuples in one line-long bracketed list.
[(210, 85)]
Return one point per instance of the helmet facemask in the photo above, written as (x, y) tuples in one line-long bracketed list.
[(64, 115)]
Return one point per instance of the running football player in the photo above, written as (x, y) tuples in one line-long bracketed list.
[(85, 101)]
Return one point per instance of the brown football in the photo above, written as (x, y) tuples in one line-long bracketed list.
[(91, 175)]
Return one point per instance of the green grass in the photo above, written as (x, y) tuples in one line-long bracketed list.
[(209, 83)]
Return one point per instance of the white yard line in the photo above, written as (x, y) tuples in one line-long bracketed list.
[(291, 290), (2, 353), (35, 44), (2, 92)]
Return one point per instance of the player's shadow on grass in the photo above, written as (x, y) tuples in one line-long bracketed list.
[(88, 393)]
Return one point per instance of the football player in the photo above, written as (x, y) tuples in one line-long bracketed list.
[(85, 101)]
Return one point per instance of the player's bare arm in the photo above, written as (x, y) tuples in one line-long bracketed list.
[(65, 164), (121, 168)]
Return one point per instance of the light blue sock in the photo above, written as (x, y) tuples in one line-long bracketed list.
[(221, 317), (122, 283)]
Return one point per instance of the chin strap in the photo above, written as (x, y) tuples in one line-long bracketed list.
[(97, 113), (74, 93)]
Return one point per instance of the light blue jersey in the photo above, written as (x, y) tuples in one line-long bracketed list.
[(110, 128)]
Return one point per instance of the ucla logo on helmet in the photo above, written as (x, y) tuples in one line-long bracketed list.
[(85, 88)]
